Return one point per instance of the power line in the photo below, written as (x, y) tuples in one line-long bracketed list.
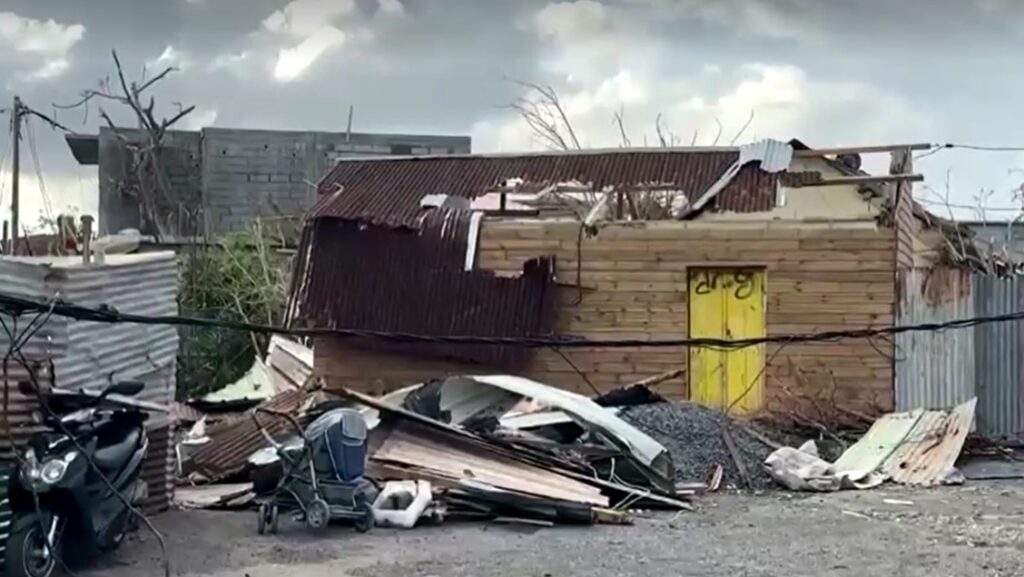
[(3, 163), (976, 207), (976, 147), (17, 305), (38, 168)]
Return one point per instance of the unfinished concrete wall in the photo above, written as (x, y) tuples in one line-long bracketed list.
[(271, 174), (119, 208), (635, 285), (224, 178)]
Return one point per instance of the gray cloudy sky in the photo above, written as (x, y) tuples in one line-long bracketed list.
[(828, 72)]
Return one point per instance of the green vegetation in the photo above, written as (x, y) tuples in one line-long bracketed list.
[(241, 278)]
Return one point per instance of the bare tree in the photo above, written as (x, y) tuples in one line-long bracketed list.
[(542, 111), (545, 115), (149, 182)]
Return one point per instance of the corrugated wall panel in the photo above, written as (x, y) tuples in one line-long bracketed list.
[(89, 354), (998, 349), (377, 279), (934, 370)]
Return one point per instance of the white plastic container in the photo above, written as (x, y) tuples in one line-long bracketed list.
[(402, 503)]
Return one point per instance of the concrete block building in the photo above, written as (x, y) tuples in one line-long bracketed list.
[(224, 178)]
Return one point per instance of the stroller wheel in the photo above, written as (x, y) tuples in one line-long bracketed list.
[(365, 522), (261, 519), (318, 514), (272, 519)]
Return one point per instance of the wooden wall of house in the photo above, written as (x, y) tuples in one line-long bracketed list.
[(634, 279)]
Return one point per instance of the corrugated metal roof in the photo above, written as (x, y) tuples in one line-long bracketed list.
[(387, 192), (374, 278)]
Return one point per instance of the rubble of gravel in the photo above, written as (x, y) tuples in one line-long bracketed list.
[(692, 434)]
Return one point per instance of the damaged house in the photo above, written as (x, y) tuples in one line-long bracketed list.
[(768, 239)]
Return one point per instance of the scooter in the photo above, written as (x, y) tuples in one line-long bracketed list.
[(68, 511)]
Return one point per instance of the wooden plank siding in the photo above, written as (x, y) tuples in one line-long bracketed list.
[(634, 285)]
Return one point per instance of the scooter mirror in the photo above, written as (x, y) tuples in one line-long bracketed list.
[(126, 388)]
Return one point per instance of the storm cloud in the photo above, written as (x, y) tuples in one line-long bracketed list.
[(829, 73)]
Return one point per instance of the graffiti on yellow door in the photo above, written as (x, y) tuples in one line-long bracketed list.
[(727, 304)]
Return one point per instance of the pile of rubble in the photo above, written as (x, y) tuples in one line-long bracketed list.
[(491, 447), (505, 446)]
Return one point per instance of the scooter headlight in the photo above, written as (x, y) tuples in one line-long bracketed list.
[(42, 475), (53, 471)]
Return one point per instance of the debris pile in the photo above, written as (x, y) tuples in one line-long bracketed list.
[(696, 438), (501, 448), (507, 447), (913, 448)]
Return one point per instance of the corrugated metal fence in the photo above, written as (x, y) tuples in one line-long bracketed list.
[(997, 374), (934, 369), (88, 354), (941, 369)]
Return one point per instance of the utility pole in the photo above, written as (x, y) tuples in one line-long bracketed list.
[(15, 171)]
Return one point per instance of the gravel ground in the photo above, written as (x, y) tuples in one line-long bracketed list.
[(971, 531), (693, 435)]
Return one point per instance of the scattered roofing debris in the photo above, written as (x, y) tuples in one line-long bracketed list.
[(476, 403), (455, 433), (512, 450), (288, 367), (914, 448), (222, 496), (232, 442)]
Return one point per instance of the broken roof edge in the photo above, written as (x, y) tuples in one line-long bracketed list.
[(800, 150), (545, 153)]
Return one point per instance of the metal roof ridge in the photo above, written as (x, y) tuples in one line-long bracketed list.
[(545, 153)]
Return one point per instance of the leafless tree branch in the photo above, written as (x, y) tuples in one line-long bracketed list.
[(718, 135), (619, 120), (543, 112), (743, 129), (149, 182)]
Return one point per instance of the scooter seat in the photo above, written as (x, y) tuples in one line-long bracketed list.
[(112, 457)]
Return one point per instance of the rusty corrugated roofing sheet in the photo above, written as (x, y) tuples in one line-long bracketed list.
[(387, 192), (233, 442), (930, 450), (918, 447), (403, 281)]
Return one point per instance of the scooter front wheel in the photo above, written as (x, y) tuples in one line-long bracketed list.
[(28, 553)]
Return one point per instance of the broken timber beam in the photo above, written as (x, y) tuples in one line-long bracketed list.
[(818, 152), (869, 179)]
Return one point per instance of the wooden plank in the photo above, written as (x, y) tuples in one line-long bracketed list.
[(860, 180), (819, 152), (449, 460)]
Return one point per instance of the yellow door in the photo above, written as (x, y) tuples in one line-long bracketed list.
[(727, 304)]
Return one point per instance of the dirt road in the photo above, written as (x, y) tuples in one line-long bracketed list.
[(971, 531)]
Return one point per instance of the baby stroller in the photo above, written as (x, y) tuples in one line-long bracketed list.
[(319, 477)]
